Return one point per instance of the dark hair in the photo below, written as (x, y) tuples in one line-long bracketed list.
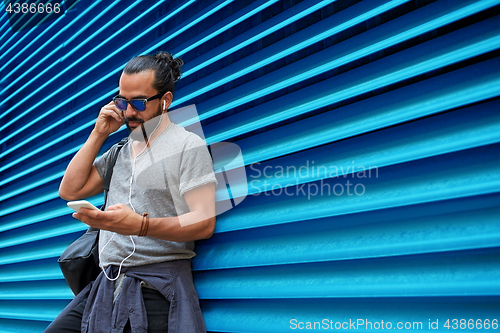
[(167, 69)]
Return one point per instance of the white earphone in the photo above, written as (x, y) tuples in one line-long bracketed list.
[(164, 105)]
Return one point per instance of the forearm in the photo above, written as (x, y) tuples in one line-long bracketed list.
[(188, 227), (80, 167), (199, 223), (123, 220)]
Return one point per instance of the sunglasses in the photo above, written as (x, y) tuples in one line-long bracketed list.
[(138, 105)]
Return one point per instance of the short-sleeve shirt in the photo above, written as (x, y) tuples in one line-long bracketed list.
[(176, 162)]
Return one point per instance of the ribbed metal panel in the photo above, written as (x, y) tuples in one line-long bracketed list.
[(370, 132)]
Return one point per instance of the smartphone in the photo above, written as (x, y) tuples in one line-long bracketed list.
[(76, 205)]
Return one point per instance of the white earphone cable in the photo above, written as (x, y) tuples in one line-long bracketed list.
[(131, 206)]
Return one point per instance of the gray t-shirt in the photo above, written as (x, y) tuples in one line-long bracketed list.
[(176, 162)]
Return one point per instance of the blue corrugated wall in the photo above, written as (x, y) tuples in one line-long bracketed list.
[(370, 132)]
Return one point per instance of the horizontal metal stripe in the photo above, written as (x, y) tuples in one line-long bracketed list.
[(4, 26), (274, 315), (37, 34), (375, 75), (18, 326), (68, 100), (91, 21), (452, 274), (17, 146), (199, 17), (60, 30), (455, 175), (102, 78), (311, 155), (282, 48), (466, 94), (223, 26), (435, 95), (216, 253), (49, 82), (41, 31), (47, 145), (478, 126), (429, 210), (38, 270), (71, 51), (46, 310), (9, 222), (384, 110), (52, 289), (29, 139), (462, 129), (17, 255), (280, 21), (71, 226), (353, 49), (468, 273), (30, 203), (36, 167), (57, 154), (37, 182), (323, 240), (18, 22)]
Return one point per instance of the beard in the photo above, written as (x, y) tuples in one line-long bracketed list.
[(146, 128)]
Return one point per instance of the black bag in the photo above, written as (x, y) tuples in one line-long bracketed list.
[(79, 263)]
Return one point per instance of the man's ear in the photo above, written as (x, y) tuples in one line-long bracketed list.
[(166, 100)]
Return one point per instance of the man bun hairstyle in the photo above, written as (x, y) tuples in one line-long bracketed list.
[(167, 69)]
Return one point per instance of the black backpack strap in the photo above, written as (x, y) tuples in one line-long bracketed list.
[(109, 172)]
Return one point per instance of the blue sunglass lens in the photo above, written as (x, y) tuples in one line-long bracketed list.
[(121, 104), (138, 105)]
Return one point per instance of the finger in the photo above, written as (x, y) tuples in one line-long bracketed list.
[(111, 106), (81, 217), (118, 112), (93, 213), (93, 222), (112, 113)]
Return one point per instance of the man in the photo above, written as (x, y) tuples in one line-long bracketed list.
[(161, 199)]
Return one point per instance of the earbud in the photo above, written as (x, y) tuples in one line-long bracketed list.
[(164, 105)]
